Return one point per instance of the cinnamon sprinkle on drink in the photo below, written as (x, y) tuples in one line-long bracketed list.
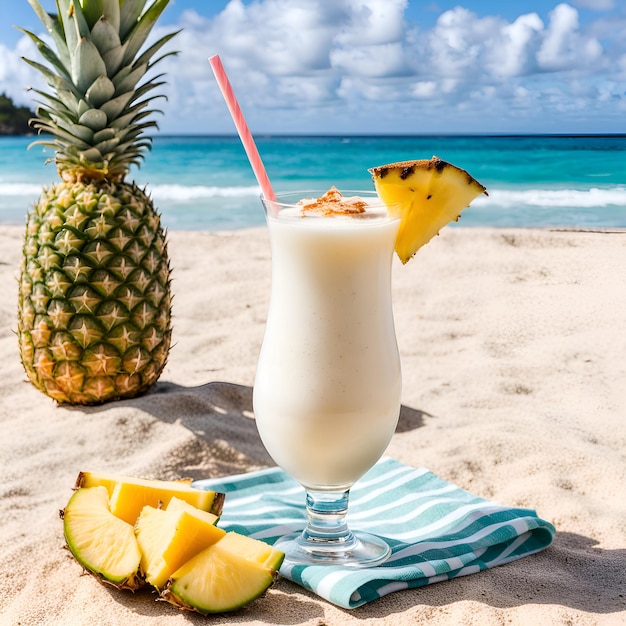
[(333, 203)]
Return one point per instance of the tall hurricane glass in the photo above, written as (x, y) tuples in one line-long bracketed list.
[(328, 382)]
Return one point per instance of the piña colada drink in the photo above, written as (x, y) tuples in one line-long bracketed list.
[(328, 385)]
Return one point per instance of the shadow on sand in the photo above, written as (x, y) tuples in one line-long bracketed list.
[(220, 416), (573, 572)]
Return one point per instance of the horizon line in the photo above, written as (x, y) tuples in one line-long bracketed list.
[(355, 135), (234, 135)]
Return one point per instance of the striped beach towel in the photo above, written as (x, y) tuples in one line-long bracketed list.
[(437, 531)]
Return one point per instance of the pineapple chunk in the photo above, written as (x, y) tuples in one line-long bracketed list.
[(128, 496), (169, 538), (252, 550), (178, 505), (225, 576), (426, 195), (102, 543)]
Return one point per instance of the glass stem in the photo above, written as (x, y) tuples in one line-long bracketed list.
[(327, 524)]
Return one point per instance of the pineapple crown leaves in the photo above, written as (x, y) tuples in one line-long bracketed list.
[(96, 108)]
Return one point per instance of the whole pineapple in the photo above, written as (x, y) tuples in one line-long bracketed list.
[(94, 306)]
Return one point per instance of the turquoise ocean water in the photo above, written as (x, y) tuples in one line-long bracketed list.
[(207, 183)]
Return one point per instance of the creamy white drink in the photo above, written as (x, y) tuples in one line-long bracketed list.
[(328, 382)]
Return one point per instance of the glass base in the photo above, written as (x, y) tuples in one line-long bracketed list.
[(359, 549)]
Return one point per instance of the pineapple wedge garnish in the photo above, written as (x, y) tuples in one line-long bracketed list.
[(426, 195)]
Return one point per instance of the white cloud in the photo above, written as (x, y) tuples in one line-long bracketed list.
[(512, 54), (372, 22), (424, 89), (317, 65), (563, 46), (371, 61), (456, 44), (16, 76)]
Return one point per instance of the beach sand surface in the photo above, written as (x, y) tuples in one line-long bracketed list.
[(513, 345)]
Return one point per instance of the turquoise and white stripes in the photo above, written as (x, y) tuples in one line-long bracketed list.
[(437, 531)]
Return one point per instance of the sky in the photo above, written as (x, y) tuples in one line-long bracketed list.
[(377, 66)]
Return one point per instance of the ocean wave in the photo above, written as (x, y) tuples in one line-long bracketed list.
[(183, 193), (19, 189), (559, 198), (505, 198), (180, 193)]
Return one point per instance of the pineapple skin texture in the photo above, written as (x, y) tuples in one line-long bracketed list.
[(94, 301)]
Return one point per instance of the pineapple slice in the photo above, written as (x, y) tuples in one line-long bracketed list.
[(169, 538), (102, 543), (426, 195), (225, 576), (128, 496)]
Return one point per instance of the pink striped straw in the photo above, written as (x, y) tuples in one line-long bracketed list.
[(242, 128)]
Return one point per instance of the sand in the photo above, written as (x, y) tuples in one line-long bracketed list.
[(513, 345)]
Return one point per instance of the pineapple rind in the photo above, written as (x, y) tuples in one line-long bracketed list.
[(426, 195), (93, 311)]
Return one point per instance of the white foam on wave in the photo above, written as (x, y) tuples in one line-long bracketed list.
[(183, 193), (19, 189), (565, 198), (506, 198)]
